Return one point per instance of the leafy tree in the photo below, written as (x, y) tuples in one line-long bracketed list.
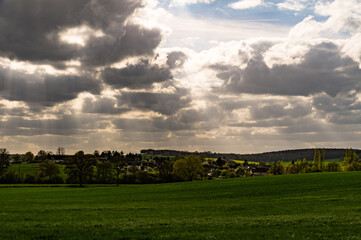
[(188, 168), (118, 166), (80, 166), (165, 167), (28, 157), (350, 157), (17, 158), (42, 155), (220, 162), (104, 171), (133, 168), (318, 160), (4, 161), (291, 168), (96, 153), (48, 169), (245, 164), (276, 168), (243, 172), (333, 167), (262, 163)]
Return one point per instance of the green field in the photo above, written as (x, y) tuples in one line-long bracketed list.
[(308, 206), (32, 169)]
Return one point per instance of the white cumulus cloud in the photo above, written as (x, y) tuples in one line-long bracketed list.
[(245, 4), (188, 2), (294, 5)]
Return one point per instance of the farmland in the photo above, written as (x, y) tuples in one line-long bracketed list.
[(316, 206)]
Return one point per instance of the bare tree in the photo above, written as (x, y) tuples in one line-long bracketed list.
[(60, 151)]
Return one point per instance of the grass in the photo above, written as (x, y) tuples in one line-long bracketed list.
[(32, 169), (309, 206)]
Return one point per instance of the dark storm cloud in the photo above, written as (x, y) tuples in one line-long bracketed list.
[(342, 109), (121, 42), (102, 105), (277, 110), (138, 76), (157, 124), (164, 103), (30, 31), (194, 120), (65, 125), (323, 69), (176, 59), (18, 111), (47, 90), (340, 103)]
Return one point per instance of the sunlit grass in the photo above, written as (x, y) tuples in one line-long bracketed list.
[(314, 206)]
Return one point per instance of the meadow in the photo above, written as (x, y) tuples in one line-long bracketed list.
[(307, 206), (32, 169)]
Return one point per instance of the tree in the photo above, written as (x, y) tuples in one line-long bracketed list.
[(351, 161), (350, 157), (165, 166), (28, 157), (48, 169), (333, 167), (17, 158), (60, 151), (80, 166), (4, 161), (42, 155), (322, 159), (291, 168), (245, 164), (276, 168), (188, 168), (118, 166), (220, 162), (96, 153), (318, 159), (104, 171)]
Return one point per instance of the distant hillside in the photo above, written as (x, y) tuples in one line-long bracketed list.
[(287, 155)]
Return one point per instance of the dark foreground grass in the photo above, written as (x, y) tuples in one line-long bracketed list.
[(310, 206)]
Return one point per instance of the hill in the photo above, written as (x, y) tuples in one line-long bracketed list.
[(286, 155)]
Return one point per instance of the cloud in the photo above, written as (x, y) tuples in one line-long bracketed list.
[(176, 59), (323, 69), (119, 43), (164, 103), (44, 89), (136, 76), (277, 110), (189, 2), (343, 109), (38, 35), (102, 105), (293, 5), (245, 4), (64, 125)]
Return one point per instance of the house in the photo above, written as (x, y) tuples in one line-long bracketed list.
[(260, 171)]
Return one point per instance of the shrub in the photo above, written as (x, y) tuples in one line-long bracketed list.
[(56, 180), (225, 173), (29, 179), (10, 177)]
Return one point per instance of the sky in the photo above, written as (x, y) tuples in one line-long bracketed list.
[(199, 75)]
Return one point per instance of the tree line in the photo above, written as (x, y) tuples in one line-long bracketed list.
[(113, 167)]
